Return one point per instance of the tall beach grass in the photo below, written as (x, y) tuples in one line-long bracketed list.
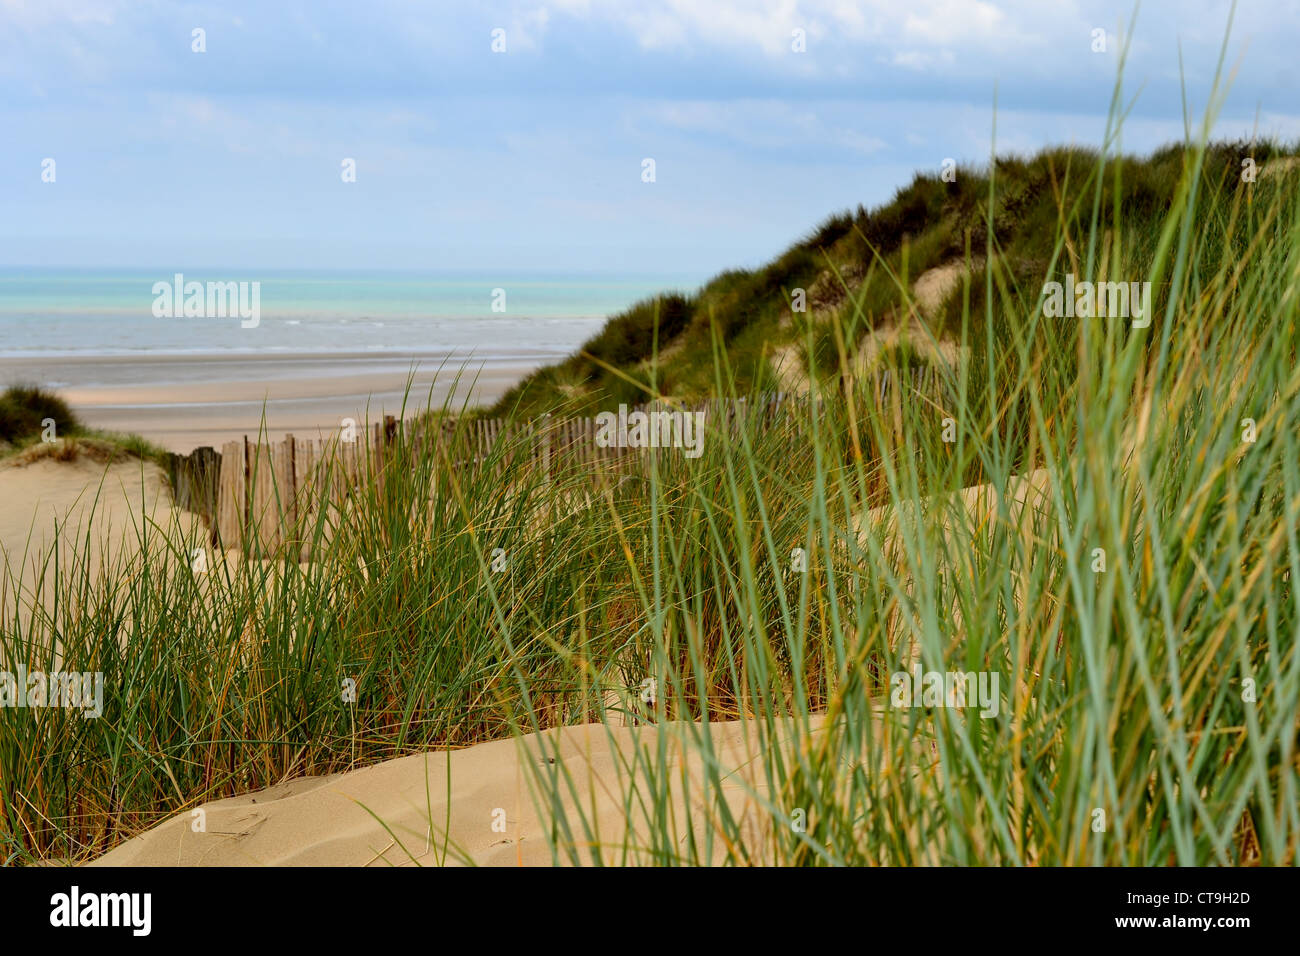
[(1128, 576)]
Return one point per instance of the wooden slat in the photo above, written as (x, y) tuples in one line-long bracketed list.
[(261, 506), (230, 508)]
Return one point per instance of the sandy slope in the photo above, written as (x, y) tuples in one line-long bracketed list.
[(335, 820), (36, 499), (931, 290), (401, 811), (474, 805)]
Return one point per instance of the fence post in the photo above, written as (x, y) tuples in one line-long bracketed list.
[(291, 493)]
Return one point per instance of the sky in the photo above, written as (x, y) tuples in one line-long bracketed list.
[(531, 158)]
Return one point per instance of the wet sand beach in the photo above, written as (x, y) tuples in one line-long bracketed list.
[(183, 401)]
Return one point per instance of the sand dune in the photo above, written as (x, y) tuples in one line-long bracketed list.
[(402, 812), (473, 806), (75, 498), (469, 806)]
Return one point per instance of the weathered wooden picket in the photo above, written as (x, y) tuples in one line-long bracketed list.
[(261, 493)]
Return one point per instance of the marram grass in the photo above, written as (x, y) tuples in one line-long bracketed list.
[(1127, 574)]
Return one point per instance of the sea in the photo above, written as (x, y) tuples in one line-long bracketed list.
[(50, 313)]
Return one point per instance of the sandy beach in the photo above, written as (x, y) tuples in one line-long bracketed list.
[(183, 401)]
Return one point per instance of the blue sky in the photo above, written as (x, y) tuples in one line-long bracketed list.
[(530, 160)]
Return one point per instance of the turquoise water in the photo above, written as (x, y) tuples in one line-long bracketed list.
[(81, 312)]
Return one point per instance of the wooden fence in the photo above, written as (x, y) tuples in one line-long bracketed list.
[(270, 489)]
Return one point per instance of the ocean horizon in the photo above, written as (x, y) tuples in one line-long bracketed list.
[(71, 312)]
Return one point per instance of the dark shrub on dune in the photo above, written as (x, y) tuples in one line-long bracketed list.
[(24, 408)]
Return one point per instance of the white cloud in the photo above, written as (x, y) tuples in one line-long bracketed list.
[(764, 25), (931, 33), (527, 28), (947, 21)]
